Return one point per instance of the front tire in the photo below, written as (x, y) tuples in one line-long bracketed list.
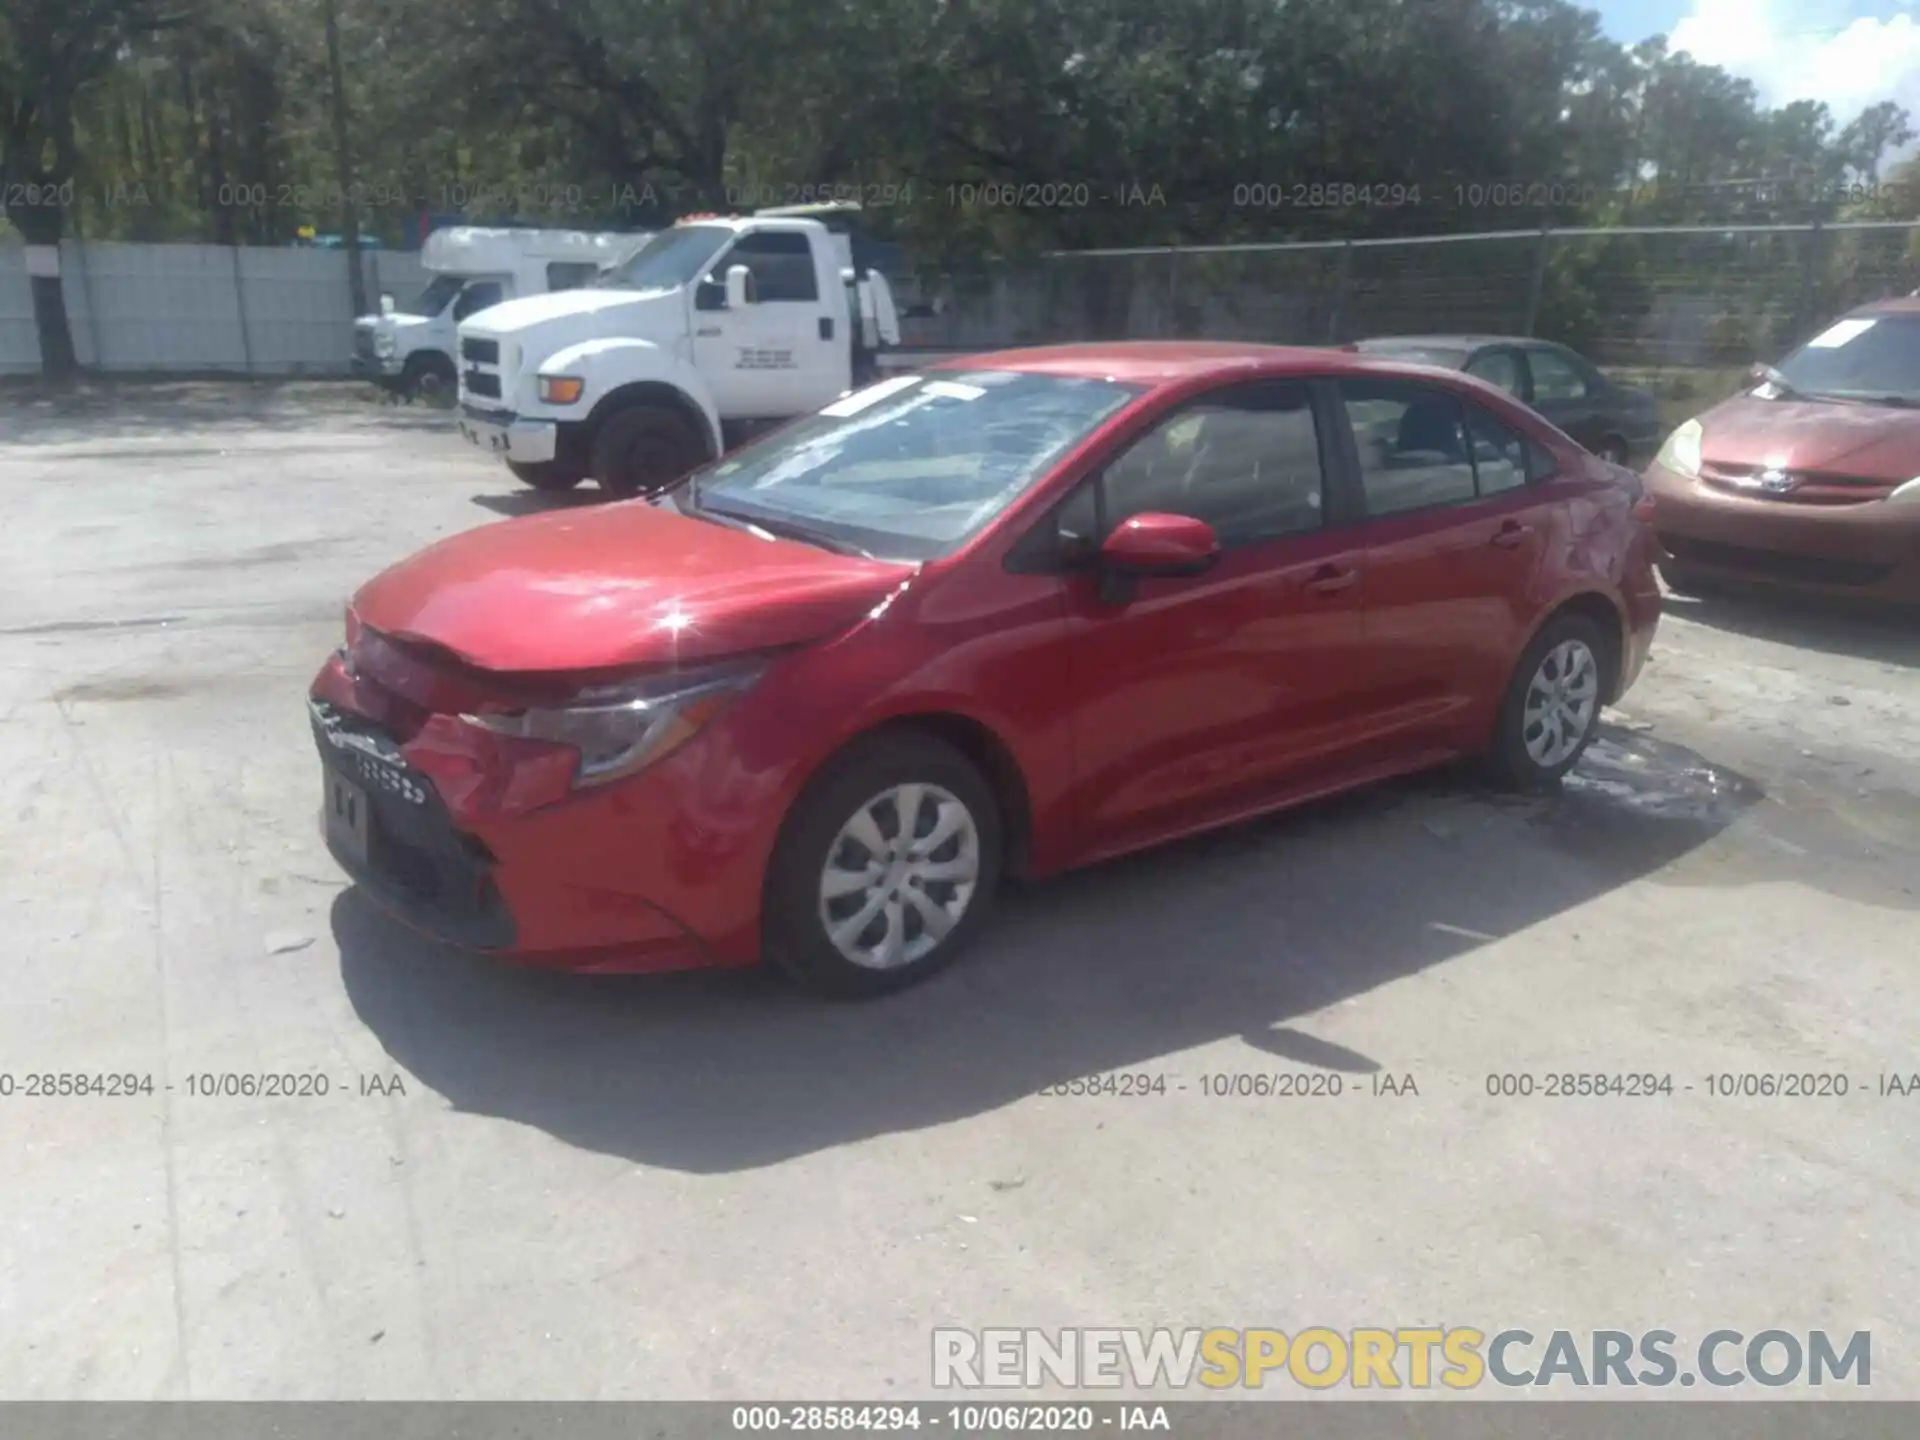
[(885, 869), (1551, 711), (547, 475), (1613, 450), (429, 377), (643, 450)]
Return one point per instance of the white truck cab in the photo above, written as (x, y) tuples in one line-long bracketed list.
[(409, 349), (713, 329)]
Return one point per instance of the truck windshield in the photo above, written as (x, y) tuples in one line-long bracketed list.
[(911, 467), (434, 298), (669, 260)]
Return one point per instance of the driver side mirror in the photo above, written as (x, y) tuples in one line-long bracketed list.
[(1155, 546), (739, 287)]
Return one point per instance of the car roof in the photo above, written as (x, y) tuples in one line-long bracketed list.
[(1448, 342), (1168, 362)]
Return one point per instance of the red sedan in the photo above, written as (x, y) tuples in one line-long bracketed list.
[(1019, 613)]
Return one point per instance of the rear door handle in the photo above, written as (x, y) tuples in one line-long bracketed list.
[(1331, 579), (1511, 533)]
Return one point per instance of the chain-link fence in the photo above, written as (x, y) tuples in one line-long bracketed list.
[(1690, 296)]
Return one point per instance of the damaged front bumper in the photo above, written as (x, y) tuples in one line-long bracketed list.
[(385, 825)]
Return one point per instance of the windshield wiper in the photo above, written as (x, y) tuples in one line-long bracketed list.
[(1788, 390), (786, 529)]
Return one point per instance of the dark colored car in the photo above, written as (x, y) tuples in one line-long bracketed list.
[(1019, 613), (1614, 421), (1810, 478)]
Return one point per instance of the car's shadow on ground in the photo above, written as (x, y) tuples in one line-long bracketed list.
[(538, 502), (1235, 934), (1887, 635)]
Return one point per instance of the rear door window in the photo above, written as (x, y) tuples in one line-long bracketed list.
[(1500, 368), (1411, 443), (1499, 453), (1556, 377)]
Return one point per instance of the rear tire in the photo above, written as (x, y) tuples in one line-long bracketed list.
[(643, 450), (923, 879), (546, 475), (1551, 710)]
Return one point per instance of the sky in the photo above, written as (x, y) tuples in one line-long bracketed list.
[(1849, 53)]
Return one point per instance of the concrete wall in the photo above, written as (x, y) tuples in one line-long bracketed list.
[(247, 309)]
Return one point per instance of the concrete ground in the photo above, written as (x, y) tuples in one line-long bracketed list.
[(711, 1186)]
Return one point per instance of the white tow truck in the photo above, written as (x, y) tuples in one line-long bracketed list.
[(409, 350), (714, 329)]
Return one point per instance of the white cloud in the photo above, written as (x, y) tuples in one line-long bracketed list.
[(1789, 54)]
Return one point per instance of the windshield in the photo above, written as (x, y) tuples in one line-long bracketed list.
[(909, 468), (435, 297), (669, 260), (1865, 357)]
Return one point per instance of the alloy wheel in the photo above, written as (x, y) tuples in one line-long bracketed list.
[(899, 876), (1561, 700)]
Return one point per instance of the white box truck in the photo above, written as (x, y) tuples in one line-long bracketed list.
[(409, 349), (712, 330)]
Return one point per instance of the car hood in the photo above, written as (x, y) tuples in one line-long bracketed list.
[(1867, 442), (618, 586), (395, 322), (589, 314)]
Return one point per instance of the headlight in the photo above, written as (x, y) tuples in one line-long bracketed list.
[(1681, 453), (1909, 493), (561, 389), (383, 344), (619, 729)]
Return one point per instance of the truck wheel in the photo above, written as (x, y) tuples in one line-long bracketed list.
[(546, 476), (429, 376), (644, 450)]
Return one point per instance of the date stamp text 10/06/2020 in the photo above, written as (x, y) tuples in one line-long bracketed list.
[(198, 1085)]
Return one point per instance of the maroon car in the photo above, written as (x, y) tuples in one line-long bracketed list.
[(1808, 477)]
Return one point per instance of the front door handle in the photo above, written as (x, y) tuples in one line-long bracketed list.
[(1511, 533), (1331, 579)]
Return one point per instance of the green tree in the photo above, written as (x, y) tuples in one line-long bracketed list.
[(54, 54)]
